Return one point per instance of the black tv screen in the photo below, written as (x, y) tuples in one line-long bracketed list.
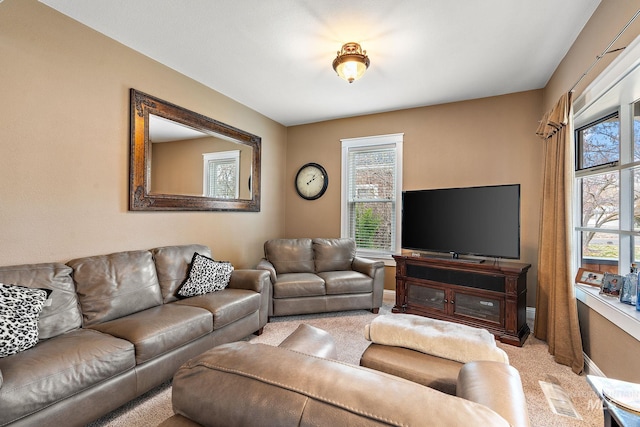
[(482, 221)]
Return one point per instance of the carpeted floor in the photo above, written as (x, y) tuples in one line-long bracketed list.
[(532, 360)]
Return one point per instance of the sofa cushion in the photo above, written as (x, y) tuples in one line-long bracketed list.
[(20, 308), (431, 371), (115, 285), (333, 254), (61, 313), (298, 285), (227, 305), (205, 275), (172, 266), (346, 282), (58, 368), (290, 255), (160, 329)]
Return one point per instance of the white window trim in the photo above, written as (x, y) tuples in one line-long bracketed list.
[(625, 316), (220, 155), (396, 139)]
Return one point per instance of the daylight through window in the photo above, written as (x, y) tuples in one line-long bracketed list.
[(371, 193)]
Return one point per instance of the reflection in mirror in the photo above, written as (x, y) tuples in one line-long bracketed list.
[(181, 160), (190, 162)]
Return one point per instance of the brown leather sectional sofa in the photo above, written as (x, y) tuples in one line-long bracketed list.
[(115, 329), (321, 275), (297, 384)]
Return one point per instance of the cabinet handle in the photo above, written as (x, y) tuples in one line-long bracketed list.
[(446, 301), (452, 301)]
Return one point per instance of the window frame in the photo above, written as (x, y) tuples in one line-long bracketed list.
[(395, 140)]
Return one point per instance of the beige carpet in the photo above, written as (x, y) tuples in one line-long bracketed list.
[(532, 360)]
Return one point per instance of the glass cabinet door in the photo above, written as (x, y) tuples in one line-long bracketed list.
[(477, 307), (426, 297)]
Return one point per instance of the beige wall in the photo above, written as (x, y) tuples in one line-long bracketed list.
[(64, 148), (610, 348), (480, 142)]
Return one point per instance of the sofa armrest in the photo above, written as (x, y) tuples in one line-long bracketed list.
[(257, 281), (497, 386), (375, 270), (251, 280), (366, 266), (312, 341), (264, 264)]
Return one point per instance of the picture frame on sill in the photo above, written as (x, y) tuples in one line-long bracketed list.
[(593, 278), (611, 285)]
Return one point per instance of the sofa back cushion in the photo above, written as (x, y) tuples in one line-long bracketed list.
[(60, 314), (290, 255), (115, 285), (172, 267), (333, 254)]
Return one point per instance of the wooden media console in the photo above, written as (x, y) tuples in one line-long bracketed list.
[(490, 295)]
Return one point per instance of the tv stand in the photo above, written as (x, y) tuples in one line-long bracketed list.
[(485, 295)]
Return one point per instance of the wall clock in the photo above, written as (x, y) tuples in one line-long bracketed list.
[(311, 181)]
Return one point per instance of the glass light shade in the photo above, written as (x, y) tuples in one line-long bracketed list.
[(351, 62)]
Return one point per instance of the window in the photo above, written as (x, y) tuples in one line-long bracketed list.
[(606, 201), (598, 143), (607, 187), (372, 193), (221, 174)]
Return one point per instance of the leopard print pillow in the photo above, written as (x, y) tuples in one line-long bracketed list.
[(20, 309), (205, 275)]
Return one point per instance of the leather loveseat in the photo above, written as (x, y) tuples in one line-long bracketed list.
[(320, 275), (115, 328), (306, 389)]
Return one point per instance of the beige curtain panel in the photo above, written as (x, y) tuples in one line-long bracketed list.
[(556, 320)]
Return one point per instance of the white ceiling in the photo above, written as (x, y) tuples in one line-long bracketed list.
[(275, 56)]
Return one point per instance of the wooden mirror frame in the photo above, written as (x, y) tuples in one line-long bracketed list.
[(140, 197)]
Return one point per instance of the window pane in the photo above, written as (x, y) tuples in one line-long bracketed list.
[(636, 250), (636, 131), (599, 143), (600, 251), (223, 179), (601, 201), (372, 224), (371, 194)]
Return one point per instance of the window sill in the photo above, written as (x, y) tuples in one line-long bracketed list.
[(625, 316)]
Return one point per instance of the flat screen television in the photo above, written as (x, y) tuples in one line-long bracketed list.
[(482, 221)]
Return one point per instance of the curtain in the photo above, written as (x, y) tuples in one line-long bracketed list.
[(556, 319)]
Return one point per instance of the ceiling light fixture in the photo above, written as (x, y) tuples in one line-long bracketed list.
[(351, 62)]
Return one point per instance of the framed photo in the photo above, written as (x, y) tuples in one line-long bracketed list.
[(611, 285), (593, 278)]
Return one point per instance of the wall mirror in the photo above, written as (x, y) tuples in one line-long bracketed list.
[(184, 161)]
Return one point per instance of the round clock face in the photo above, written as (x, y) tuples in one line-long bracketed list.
[(311, 181)]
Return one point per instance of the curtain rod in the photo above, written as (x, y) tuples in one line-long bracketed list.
[(606, 51)]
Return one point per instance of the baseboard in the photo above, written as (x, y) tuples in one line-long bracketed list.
[(531, 315), (591, 368)]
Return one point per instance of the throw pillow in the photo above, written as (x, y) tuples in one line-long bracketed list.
[(20, 309), (205, 275)]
